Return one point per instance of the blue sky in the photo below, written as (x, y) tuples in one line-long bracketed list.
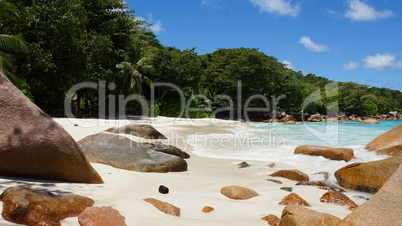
[(343, 40)]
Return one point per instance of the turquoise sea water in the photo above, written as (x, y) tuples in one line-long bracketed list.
[(276, 143)]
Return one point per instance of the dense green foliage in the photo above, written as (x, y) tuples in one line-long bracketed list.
[(73, 41)]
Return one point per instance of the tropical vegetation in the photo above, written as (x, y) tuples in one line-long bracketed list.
[(46, 47)]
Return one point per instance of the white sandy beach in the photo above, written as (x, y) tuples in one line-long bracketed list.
[(191, 190)]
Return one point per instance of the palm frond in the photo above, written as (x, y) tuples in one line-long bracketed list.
[(8, 11), (12, 43)]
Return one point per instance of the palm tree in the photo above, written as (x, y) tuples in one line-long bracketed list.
[(132, 70), (9, 43)]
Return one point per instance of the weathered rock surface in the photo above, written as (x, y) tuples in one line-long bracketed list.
[(272, 220), (24, 205), (207, 209), (298, 215), (289, 189), (369, 176), (289, 123), (243, 165), (384, 208), (275, 181), (322, 184), (33, 145), (93, 216), (164, 207), (291, 175), (293, 199), (238, 192), (123, 153), (338, 198), (345, 154), (371, 121), (288, 118), (388, 143), (139, 130)]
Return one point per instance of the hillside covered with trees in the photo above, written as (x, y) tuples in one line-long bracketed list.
[(46, 47)]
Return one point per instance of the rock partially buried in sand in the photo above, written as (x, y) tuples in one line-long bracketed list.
[(298, 216), (139, 130), (293, 199), (243, 165), (93, 216), (338, 198), (33, 145), (291, 175), (207, 209), (322, 184), (275, 181), (23, 205), (388, 143), (369, 176), (345, 154), (289, 189), (123, 153), (238, 192), (164, 207), (371, 121), (384, 208), (272, 220)]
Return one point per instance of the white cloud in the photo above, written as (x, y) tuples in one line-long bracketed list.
[(360, 11), (381, 62), (311, 46), (351, 65), (288, 64), (156, 26), (278, 7), (216, 4)]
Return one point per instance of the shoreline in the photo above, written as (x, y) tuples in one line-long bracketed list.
[(190, 190)]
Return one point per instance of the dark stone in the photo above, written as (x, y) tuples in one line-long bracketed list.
[(243, 165), (123, 153), (289, 189), (275, 181), (163, 189)]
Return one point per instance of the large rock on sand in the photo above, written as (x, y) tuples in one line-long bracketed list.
[(388, 143), (291, 175), (139, 130), (384, 208), (298, 215), (369, 176), (92, 216), (123, 153), (238, 192), (33, 145), (23, 205), (345, 154)]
